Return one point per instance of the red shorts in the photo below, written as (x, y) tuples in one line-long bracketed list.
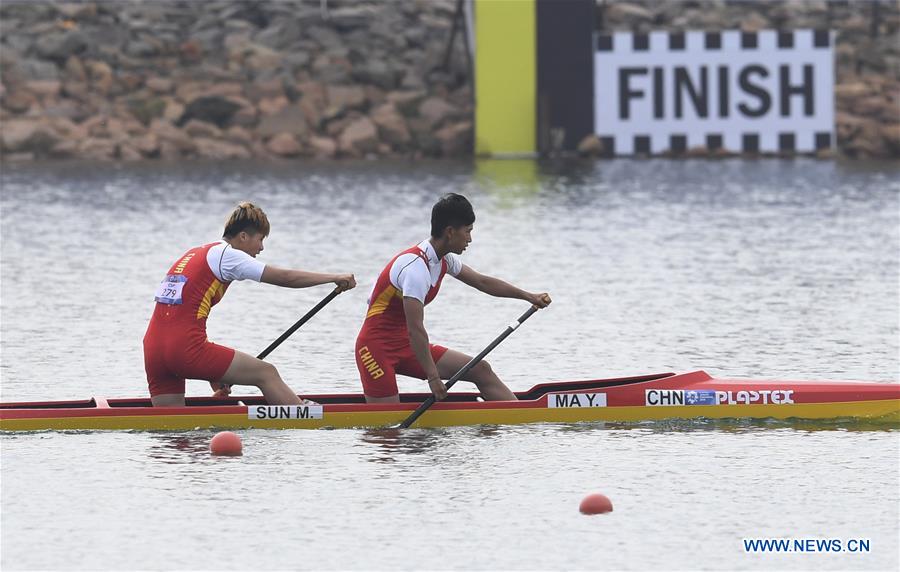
[(171, 356), (380, 361)]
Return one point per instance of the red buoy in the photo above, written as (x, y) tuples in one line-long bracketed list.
[(226, 443), (595, 504)]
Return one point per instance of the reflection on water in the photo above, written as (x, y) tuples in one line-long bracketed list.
[(392, 444), (736, 426), (179, 448), (508, 179)]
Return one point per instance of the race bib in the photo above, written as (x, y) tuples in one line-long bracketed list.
[(169, 291)]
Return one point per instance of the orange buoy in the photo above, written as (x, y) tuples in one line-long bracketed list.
[(595, 504), (226, 443)]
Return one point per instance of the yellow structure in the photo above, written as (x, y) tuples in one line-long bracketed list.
[(505, 77)]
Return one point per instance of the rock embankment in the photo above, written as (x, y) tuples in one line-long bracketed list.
[(231, 79)]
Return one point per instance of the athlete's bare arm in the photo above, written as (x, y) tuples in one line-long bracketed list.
[(499, 288), (418, 339), (303, 279)]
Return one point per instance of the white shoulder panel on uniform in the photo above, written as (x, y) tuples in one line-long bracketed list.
[(229, 264), (454, 264), (410, 275)]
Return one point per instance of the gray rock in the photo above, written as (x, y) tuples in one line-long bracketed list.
[(128, 152), (407, 102), (146, 109), (346, 19), (27, 135), (211, 40), (423, 136), (260, 60), (591, 146), (323, 147), (75, 11), (284, 145), (66, 149), (435, 111), (455, 140), (358, 138), (220, 150), (141, 49), (291, 120), (74, 69), (18, 43), (413, 81), (172, 137), (68, 109), (267, 88), (98, 150), (16, 133), (377, 73), (160, 85), (46, 88), (38, 69), (196, 128), (294, 61), (343, 98), (415, 37), (217, 110), (239, 135), (280, 36), (391, 125), (251, 13), (59, 46), (325, 38), (18, 101), (107, 35)]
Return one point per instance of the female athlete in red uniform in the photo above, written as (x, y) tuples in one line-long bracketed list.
[(393, 339), (175, 345)]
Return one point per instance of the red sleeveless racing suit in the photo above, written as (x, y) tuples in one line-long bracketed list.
[(175, 345), (383, 349)]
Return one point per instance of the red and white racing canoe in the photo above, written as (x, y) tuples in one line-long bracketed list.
[(649, 397)]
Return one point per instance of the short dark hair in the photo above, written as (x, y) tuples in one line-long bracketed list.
[(246, 217), (451, 210)]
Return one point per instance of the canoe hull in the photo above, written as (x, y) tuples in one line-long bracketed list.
[(648, 398), (881, 411)]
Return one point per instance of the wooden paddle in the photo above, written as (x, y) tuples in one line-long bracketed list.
[(472, 362)]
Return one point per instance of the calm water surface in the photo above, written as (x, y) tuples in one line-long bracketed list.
[(763, 269)]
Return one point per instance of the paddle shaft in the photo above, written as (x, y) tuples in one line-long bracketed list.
[(472, 363), (296, 326), (299, 323)]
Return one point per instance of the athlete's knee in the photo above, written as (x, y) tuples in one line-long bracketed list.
[(268, 373), (484, 370), (483, 374)]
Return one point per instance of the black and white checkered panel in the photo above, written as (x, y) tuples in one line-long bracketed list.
[(648, 126)]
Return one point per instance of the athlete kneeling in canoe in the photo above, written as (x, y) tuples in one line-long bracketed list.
[(175, 345), (393, 339)]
